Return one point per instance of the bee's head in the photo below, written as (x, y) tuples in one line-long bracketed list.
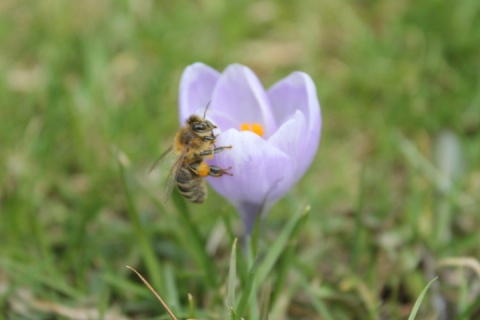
[(201, 127)]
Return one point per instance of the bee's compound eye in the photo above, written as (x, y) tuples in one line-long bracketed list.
[(203, 169), (199, 126)]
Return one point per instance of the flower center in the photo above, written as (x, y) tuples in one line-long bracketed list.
[(254, 127)]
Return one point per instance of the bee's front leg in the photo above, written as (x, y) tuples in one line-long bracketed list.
[(210, 138)]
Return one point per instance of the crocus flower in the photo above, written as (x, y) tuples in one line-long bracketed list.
[(274, 133)]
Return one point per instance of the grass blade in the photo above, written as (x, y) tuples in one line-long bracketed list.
[(170, 313), (280, 244), (151, 262), (194, 241), (247, 290), (413, 314), (232, 276), (171, 290)]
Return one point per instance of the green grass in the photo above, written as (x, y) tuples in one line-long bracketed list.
[(88, 100)]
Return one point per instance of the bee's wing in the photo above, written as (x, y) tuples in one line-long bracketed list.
[(173, 174), (161, 157)]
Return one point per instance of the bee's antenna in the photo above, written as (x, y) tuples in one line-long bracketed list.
[(206, 108)]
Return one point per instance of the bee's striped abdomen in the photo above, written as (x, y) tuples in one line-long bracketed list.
[(191, 185)]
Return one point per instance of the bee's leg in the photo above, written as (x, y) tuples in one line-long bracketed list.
[(212, 139), (214, 151), (200, 168), (218, 172)]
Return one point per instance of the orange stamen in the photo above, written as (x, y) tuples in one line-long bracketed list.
[(244, 127), (257, 128), (254, 127)]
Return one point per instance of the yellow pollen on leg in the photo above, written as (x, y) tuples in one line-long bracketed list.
[(203, 169), (254, 127)]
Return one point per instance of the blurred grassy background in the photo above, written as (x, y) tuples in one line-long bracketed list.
[(394, 190)]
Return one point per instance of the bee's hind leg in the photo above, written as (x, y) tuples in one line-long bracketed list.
[(218, 172)]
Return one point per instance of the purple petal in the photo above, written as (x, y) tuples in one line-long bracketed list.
[(222, 120), (240, 94), (290, 138), (297, 92), (196, 87), (261, 172)]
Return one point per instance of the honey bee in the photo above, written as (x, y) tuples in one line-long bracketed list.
[(190, 180), (192, 144)]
